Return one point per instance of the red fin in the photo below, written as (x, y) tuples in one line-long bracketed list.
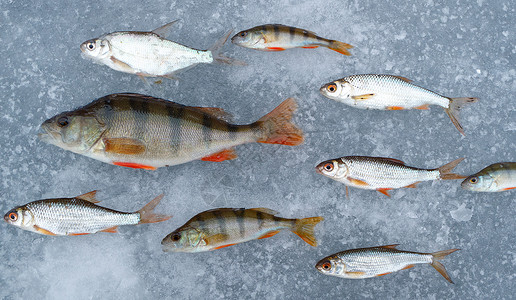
[(385, 192), (358, 182), (275, 48), (110, 229), (147, 214), (412, 186), (395, 108), (310, 47), (133, 165), (422, 107), (393, 246), (223, 246), (123, 146), (90, 197), (408, 267), (509, 188), (226, 154), (362, 97), (269, 234), (43, 231), (340, 47), (74, 234), (383, 274), (277, 128)]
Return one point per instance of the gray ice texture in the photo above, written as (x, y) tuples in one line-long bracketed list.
[(457, 48)]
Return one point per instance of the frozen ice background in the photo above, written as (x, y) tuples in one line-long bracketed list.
[(456, 48)]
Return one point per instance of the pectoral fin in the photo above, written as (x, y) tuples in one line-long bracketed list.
[(113, 229), (43, 231), (275, 48), (355, 274), (123, 146), (217, 239), (362, 97), (133, 165), (122, 65), (358, 182)]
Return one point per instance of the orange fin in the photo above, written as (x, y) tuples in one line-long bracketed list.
[(75, 234), (358, 182), (123, 146), (90, 197), (402, 78), (277, 128), (223, 246), (509, 188), (275, 48), (133, 165), (362, 97), (310, 47), (113, 229), (147, 214), (383, 274), (269, 234), (340, 47), (226, 154), (43, 231), (304, 228), (425, 106), (216, 112), (395, 108), (408, 267), (384, 191), (393, 246), (413, 185)]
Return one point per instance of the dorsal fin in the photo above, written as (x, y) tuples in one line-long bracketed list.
[(403, 78), (265, 210), (393, 246), (90, 197), (393, 160), (164, 30), (216, 112)]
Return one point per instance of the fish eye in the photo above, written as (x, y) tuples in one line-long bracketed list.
[(63, 121), (176, 236), (13, 216), (326, 266), (328, 167), (332, 88), (473, 180), (243, 34), (90, 46)]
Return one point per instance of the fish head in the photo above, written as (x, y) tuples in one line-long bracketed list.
[(20, 217), (336, 90), (75, 131), (333, 168), (247, 38), (330, 266), (479, 183), (184, 240), (96, 49)]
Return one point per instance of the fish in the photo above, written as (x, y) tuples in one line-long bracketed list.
[(277, 37), (78, 216), (378, 261), (143, 132), (222, 227), (150, 54), (497, 177), (389, 92), (381, 173)]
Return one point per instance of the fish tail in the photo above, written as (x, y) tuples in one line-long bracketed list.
[(455, 106), (147, 214), (277, 127), (445, 171), (340, 47), (221, 59), (304, 228), (439, 266)]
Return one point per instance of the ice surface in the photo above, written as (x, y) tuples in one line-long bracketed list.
[(457, 48)]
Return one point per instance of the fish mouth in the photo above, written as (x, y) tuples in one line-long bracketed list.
[(319, 168), (47, 134)]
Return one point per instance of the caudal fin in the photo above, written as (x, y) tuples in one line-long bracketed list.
[(147, 214), (340, 47), (445, 171), (277, 127), (439, 266), (456, 104), (304, 228), (221, 59)]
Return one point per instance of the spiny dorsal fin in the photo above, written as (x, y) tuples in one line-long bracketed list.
[(216, 112), (393, 246), (90, 197), (403, 78), (164, 30), (265, 210)]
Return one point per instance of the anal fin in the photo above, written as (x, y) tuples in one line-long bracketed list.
[(413, 185), (226, 154), (424, 106), (310, 47), (384, 191), (133, 165), (113, 229), (269, 234), (395, 108), (408, 267)]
